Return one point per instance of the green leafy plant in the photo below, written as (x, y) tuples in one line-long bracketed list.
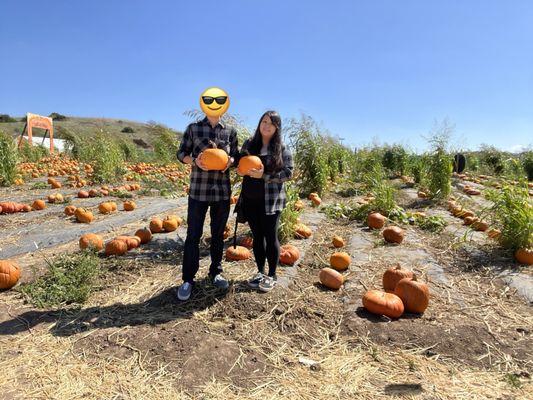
[(70, 279), (527, 164), (289, 215), (439, 161), (512, 214), (8, 160)]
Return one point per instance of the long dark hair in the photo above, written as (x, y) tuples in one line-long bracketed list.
[(275, 146)]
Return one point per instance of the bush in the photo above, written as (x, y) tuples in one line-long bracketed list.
[(127, 129), (57, 117), (6, 118), (289, 214), (70, 279), (492, 158), (32, 153), (165, 144), (8, 159), (527, 164), (440, 162), (513, 215), (395, 159)]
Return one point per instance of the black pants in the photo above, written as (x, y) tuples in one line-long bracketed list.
[(196, 212), (265, 232)]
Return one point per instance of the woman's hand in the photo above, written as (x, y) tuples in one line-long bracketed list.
[(257, 173)]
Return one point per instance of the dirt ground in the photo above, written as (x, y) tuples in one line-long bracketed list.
[(133, 339)]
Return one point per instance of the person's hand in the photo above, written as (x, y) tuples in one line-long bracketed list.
[(230, 162), (199, 162), (257, 172)]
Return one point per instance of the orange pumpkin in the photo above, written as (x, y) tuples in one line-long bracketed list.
[(337, 241), (144, 234), (393, 234), (340, 261), (330, 278), (375, 220), (9, 274), (107, 207), (383, 303), (494, 233), (246, 241), (91, 240), (116, 247), (70, 210), (524, 256), (215, 159), (298, 205), (156, 225), (288, 254), (247, 163), (38, 205), (302, 231), (393, 275), (83, 215), (131, 241), (414, 294), (316, 200), (237, 253), (83, 194), (170, 225), (129, 205)]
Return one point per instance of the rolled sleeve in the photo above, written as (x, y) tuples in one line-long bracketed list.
[(285, 173)]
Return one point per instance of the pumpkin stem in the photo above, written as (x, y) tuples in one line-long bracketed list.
[(212, 145)]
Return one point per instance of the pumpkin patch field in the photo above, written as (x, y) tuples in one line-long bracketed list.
[(398, 278)]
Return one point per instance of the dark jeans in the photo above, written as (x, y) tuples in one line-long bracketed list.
[(218, 212), (265, 232)]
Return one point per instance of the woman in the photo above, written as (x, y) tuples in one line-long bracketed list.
[(263, 195)]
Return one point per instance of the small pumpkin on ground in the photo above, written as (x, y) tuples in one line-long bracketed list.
[(393, 275), (83, 215), (340, 261), (129, 205), (156, 225), (288, 254), (144, 234), (394, 234), (107, 207), (170, 225), (116, 247), (299, 205), (70, 210), (383, 303), (237, 253), (131, 241), (414, 294), (302, 231), (246, 241), (38, 205), (524, 256), (330, 278), (338, 242), (91, 240), (83, 194), (375, 220), (9, 274)]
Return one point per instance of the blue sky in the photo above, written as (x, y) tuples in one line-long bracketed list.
[(364, 70)]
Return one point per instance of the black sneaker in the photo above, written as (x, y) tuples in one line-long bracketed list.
[(267, 284), (255, 280)]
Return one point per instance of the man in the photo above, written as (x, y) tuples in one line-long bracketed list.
[(208, 189)]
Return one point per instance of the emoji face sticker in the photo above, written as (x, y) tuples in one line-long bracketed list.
[(214, 102)]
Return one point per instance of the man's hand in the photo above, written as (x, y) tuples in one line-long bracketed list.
[(257, 173), (199, 162), (230, 163)]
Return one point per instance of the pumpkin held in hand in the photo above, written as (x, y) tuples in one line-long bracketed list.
[(382, 303), (247, 163), (215, 159), (9, 274)]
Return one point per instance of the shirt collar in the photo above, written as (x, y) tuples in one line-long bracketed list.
[(206, 121)]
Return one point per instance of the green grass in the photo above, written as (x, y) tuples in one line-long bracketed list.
[(70, 279)]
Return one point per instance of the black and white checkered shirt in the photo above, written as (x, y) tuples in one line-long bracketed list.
[(275, 197), (208, 185)]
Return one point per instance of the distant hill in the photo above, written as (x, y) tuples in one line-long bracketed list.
[(142, 132)]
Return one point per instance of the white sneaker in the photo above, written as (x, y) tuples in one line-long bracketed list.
[(184, 291)]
